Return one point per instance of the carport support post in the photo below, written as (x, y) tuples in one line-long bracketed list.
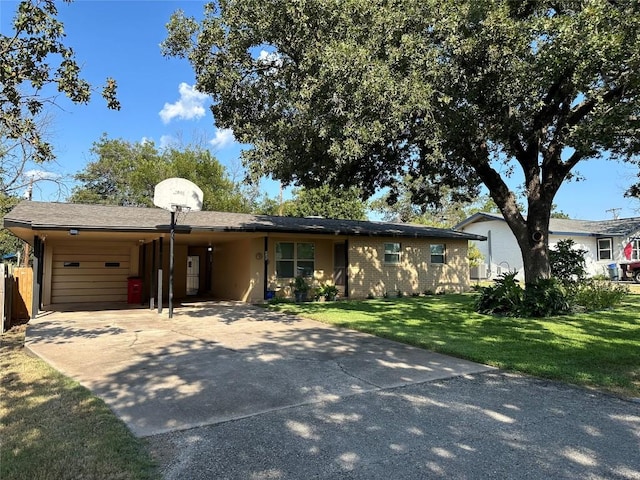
[(266, 266), (152, 277), (173, 234), (160, 263), (37, 277)]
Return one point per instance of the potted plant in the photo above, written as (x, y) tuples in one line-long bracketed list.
[(330, 292), (300, 289)]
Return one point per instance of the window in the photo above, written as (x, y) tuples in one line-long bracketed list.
[(635, 253), (112, 264), (391, 253), (604, 249), (437, 253), (293, 259), (71, 264)]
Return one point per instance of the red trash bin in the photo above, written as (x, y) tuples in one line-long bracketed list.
[(134, 290)]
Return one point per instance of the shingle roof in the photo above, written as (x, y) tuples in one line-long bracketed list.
[(621, 227), (59, 216)]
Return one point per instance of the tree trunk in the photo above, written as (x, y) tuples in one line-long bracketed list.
[(532, 235), (535, 259)]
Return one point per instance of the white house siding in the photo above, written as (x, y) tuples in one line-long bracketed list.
[(502, 253)]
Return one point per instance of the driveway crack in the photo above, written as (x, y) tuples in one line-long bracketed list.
[(348, 373)]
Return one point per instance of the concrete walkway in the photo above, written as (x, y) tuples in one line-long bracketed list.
[(214, 362)]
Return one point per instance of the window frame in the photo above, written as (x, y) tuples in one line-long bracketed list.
[(443, 254), (609, 249), (635, 249), (395, 251), (296, 260)]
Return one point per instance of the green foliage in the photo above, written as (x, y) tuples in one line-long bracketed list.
[(567, 262), (545, 298), (300, 284), (504, 297), (326, 202), (446, 208), (126, 174), (474, 255), (328, 291), (448, 92), (34, 59), (9, 243), (593, 295)]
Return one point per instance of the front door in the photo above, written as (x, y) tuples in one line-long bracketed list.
[(193, 274)]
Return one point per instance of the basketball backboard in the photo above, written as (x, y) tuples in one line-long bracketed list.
[(178, 194)]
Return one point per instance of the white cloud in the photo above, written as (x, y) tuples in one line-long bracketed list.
[(223, 138), (189, 106), (41, 175)]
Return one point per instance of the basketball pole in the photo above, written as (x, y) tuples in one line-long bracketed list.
[(173, 234)]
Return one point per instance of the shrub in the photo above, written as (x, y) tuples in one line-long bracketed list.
[(474, 255), (328, 291), (504, 297), (545, 298), (593, 295), (567, 263)]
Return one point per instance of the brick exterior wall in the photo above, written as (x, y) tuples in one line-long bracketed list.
[(369, 274)]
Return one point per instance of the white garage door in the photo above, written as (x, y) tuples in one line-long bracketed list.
[(89, 274)]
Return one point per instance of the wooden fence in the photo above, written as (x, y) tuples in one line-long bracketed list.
[(16, 294)]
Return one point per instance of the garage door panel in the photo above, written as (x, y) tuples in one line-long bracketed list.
[(90, 279), (96, 272), (91, 284), (57, 299), (123, 265), (63, 292), (94, 248), (75, 257)]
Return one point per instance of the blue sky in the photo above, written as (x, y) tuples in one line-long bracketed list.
[(120, 38)]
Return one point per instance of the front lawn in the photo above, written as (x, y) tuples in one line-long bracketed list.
[(54, 428), (600, 349)]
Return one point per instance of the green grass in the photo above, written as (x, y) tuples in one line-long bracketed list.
[(600, 349), (52, 427)]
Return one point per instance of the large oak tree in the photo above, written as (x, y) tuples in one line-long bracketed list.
[(447, 92)]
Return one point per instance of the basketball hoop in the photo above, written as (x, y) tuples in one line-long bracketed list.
[(176, 195), (178, 209)]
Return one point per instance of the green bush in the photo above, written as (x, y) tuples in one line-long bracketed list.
[(504, 297), (545, 298), (594, 294), (328, 291), (567, 263)]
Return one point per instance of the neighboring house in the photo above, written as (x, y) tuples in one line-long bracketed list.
[(607, 242), (87, 253)]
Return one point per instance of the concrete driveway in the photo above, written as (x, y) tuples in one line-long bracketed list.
[(214, 362), (228, 391)]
